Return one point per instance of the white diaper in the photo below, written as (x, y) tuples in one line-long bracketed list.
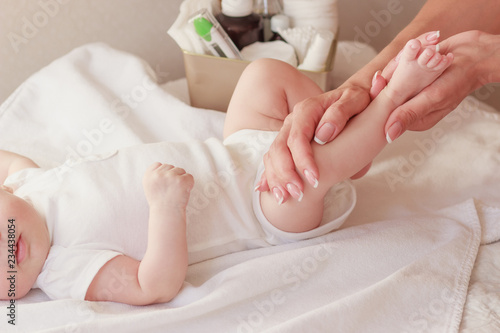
[(339, 203)]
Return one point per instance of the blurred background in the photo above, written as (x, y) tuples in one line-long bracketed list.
[(34, 33)]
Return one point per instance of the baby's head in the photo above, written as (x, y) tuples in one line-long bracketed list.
[(24, 245)]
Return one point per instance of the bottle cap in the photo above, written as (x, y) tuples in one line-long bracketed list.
[(279, 21), (237, 8)]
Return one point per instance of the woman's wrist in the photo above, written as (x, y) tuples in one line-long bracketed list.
[(481, 65), (489, 69)]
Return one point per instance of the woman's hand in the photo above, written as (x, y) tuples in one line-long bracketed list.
[(474, 65), (291, 151), (320, 118)]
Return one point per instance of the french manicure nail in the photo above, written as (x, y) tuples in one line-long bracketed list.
[(325, 133), (7, 189), (294, 191), (433, 36), (437, 48), (394, 132), (278, 195), (377, 73), (311, 179)]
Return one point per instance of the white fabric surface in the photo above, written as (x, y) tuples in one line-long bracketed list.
[(223, 214), (401, 262)]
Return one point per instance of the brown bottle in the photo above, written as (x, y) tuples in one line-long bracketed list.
[(242, 25)]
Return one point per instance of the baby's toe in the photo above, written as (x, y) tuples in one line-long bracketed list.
[(434, 61), (444, 63), (425, 56), (411, 50)]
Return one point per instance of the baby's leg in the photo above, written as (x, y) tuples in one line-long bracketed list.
[(359, 143), (265, 94)]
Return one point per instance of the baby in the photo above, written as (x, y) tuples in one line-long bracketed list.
[(79, 231)]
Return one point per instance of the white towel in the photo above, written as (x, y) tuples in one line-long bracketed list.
[(320, 14)]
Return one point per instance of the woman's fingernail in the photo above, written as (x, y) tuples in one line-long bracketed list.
[(394, 132), (377, 73), (325, 133), (437, 48), (433, 36), (311, 179), (294, 191), (278, 195), (7, 189), (257, 188)]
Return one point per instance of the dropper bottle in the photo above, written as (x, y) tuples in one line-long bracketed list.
[(243, 26)]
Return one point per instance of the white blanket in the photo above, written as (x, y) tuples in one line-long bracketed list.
[(401, 263)]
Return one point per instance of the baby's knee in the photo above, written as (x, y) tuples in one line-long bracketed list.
[(269, 68)]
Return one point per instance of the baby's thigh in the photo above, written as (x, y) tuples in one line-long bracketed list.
[(265, 94)]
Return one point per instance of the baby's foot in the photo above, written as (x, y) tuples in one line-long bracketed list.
[(417, 68)]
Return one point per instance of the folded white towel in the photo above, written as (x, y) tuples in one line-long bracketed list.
[(320, 14), (275, 50), (183, 34)]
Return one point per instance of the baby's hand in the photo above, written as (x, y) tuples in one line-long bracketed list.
[(167, 185)]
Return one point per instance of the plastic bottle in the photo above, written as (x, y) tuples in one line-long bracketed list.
[(213, 36), (243, 26), (279, 22)]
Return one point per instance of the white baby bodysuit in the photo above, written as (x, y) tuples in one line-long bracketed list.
[(96, 209)]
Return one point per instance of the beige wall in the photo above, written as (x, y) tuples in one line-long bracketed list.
[(32, 35), (35, 32), (376, 22)]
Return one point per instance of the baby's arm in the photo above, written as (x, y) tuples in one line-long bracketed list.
[(12, 162), (161, 273)]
